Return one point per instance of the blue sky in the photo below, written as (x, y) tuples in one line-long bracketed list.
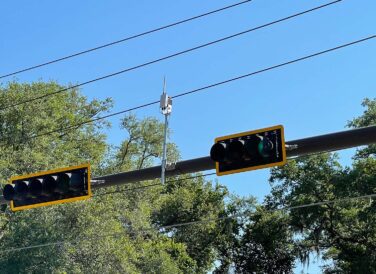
[(309, 98)]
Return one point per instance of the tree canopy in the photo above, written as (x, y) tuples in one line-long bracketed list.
[(111, 233), (344, 231), (188, 225)]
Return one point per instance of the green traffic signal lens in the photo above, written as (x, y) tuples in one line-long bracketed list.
[(77, 180), (265, 147)]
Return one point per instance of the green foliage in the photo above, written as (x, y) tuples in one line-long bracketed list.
[(266, 245), (121, 232), (255, 240), (368, 118), (109, 233), (21, 153), (189, 201), (345, 231), (140, 148)]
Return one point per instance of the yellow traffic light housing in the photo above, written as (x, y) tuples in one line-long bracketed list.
[(50, 187), (249, 150)]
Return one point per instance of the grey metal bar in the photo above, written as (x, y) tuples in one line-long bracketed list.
[(183, 167), (333, 141), (321, 143), (328, 142)]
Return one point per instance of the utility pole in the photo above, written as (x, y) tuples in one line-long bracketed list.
[(166, 108)]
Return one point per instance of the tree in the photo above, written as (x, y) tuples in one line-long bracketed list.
[(110, 233), (141, 147), (267, 245), (22, 153), (96, 235), (180, 200), (190, 200), (254, 240), (345, 231), (119, 229)]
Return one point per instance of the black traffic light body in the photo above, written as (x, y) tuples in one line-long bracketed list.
[(51, 187), (249, 150)]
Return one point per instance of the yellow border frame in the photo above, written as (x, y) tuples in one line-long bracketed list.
[(283, 162), (68, 200)]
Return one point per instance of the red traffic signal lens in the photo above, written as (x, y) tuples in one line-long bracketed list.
[(218, 152), (9, 192)]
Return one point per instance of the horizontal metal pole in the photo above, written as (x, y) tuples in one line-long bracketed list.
[(183, 167), (333, 141), (328, 142), (321, 143)]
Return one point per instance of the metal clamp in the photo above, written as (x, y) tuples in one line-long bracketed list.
[(291, 147), (170, 166)]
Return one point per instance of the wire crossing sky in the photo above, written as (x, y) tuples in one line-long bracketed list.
[(75, 126), (168, 56), (308, 98), (124, 39)]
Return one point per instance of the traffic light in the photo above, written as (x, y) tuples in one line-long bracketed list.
[(249, 150), (48, 188)]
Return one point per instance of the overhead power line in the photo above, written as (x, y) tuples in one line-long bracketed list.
[(276, 66), (168, 56), (123, 39), (166, 227), (75, 126)]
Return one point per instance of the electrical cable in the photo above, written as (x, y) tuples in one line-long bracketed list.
[(167, 57), (64, 129), (277, 66), (124, 39), (210, 220)]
